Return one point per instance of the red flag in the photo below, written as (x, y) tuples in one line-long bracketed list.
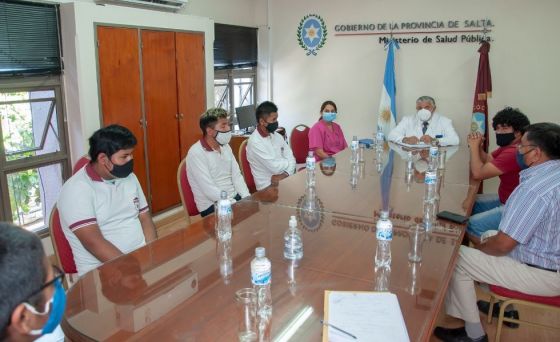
[(482, 92)]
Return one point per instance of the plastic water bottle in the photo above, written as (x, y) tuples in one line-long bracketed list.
[(384, 233), (225, 215), (430, 181), (354, 147), (310, 169), (261, 274), (379, 140), (293, 242), (434, 155)]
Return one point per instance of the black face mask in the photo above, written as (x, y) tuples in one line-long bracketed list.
[(504, 139), (272, 127), (122, 171)]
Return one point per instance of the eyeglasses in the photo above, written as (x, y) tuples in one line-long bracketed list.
[(519, 146), (58, 274)]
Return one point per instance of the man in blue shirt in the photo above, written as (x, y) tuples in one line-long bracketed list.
[(525, 254)]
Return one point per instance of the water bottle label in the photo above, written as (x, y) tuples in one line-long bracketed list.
[(434, 151), (384, 234), (354, 145), (260, 278), (310, 163), (431, 178), (224, 207)]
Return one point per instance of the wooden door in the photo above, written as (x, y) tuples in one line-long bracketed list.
[(160, 106), (191, 86), (120, 88)]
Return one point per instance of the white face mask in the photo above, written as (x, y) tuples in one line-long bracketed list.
[(424, 114), (223, 138)]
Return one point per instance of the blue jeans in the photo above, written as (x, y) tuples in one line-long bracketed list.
[(486, 214)]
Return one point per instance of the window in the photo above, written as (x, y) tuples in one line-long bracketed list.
[(33, 150), (235, 65), (234, 88)]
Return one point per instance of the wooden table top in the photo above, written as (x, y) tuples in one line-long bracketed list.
[(177, 287)]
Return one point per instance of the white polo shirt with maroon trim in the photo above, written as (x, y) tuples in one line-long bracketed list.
[(113, 205)]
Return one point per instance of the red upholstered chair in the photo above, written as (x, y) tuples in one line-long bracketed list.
[(246, 167), (80, 163), (508, 297), (299, 142), (187, 197), (62, 250)]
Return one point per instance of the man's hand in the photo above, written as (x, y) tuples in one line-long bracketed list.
[(475, 139), (426, 139), (498, 245), (410, 140)]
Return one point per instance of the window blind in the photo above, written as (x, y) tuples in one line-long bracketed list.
[(234, 46), (29, 38)]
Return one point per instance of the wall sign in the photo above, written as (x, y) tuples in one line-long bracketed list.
[(312, 34), (422, 32)]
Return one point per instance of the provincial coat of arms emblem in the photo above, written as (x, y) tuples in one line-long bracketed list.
[(312, 33)]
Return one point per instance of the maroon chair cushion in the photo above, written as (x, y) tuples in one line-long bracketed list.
[(247, 174), (80, 163), (186, 191), (62, 246), (501, 291), (299, 142)]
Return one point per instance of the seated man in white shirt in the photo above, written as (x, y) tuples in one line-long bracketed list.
[(103, 210), (426, 125), (270, 157), (211, 166)]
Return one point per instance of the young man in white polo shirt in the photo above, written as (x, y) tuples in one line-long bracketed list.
[(270, 157), (103, 210), (211, 166)]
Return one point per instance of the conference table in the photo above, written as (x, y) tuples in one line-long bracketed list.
[(182, 286)]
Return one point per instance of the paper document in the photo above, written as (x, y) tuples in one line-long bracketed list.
[(370, 316), (420, 145)]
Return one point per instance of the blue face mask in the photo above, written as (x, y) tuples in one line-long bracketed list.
[(54, 308), (329, 117), (520, 161)]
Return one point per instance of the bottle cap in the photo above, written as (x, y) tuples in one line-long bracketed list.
[(260, 252), (293, 222)]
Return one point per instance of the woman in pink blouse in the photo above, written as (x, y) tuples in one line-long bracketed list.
[(326, 137)]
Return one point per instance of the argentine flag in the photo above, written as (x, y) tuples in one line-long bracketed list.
[(387, 115)]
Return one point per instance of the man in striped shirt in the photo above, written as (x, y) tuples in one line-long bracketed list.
[(525, 254)]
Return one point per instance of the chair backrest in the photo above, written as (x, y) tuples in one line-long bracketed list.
[(299, 142), (187, 197), (80, 163), (246, 167), (62, 249)]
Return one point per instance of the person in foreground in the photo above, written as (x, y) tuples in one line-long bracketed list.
[(508, 124), (32, 299), (103, 210), (271, 159), (211, 166), (326, 137), (426, 125), (525, 254)]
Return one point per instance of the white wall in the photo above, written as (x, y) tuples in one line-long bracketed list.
[(349, 70), (232, 12), (78, 21)]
